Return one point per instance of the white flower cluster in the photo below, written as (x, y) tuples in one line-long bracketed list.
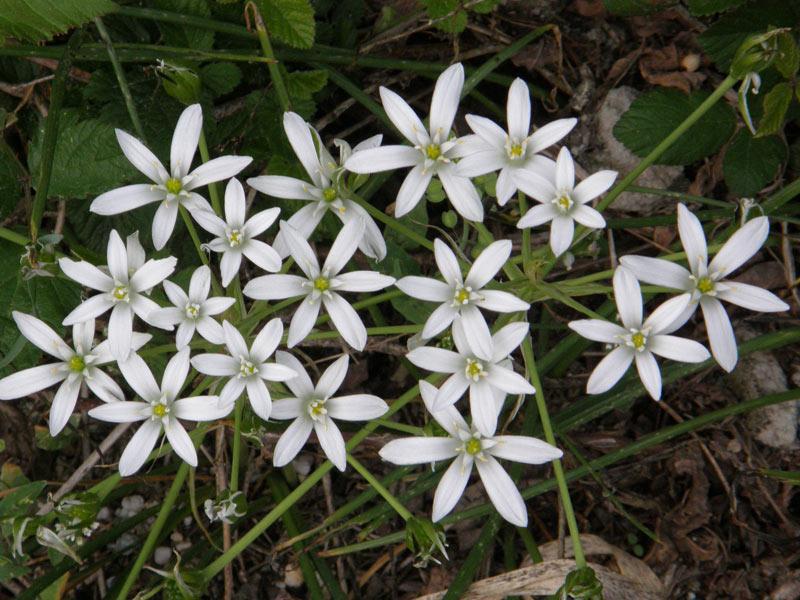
[(481, 362)]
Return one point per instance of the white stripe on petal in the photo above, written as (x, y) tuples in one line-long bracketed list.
[(210, 222), (164, 223), (506, 186), (598, 331), (267, 340), (301, 250), (534, 185), (210, 330), (287, 408), (343, 247), (262, 255), (438, 360), (449, 418), (43, 337), (403, 117), (120, 331), (509, 381), (663, 317), (217, 365), (440, 319), (103, 386), (478, 336), (234, 203), (481, 163), (217, 169), (200, 408), (562, 229), (275, 287), (140, 378), (299, 134), (488, 264), (229, 266), (124, 411), (356, 407), (593, 186), (385, 158), (462, 194), (362, 281), (677, 348), (489, 132), (588, 217), (565, 170), (450, 391), (692, 238), (549, 134), (444, 103), (537, 215), (300, 385), (447, 263), (518, 110), (482, 407), (503, 302), (303, 320), (259, 397), (332, 378), (411, 190), (279, 186), (260, 222), (507, 339), (153, 272), (91, 308), (175, 374)]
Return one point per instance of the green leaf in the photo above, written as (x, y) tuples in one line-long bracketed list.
[(17, 502), (304, 84), (87, 161), (37, 20), (654, 115), (220, 77), (723, 38), (10, 570), (751, 163), (449, 15), (11, 173), (776, 103), (631, 8), (703, 8), (186, 36), (289, 21), (788, 60), (398, 263)]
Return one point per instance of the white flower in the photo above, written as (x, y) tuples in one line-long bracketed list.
[(705, 282), (463, 297), (321, 286), (324, 193), (122, 291), (173, 188), (469, 446), (637, 340), (247, 368), (74, 367), (194, 311), (159, 409), (563, 202), (236, 237), (486, 378), (492, 148), (313, 408), (431, 152)]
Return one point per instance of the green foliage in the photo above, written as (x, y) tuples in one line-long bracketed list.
[(37, 20), (787, 62), (776, 105), (11, 173), (654, 115), (751, 163), (449, 15), (399, 263), (182, 35), (289, 21), (220, 78), (703, 8), (87, 147), (580, 584), (304, 84), (17, 502), (630, 8)]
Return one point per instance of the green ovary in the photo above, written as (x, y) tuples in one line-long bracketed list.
[(321, 284), (77, 364), (159, 410), (473, 446), (705, 285), (329, 194), (638, 340), (173, 185), (433, 151)]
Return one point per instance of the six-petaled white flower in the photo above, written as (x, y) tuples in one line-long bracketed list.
[(324, 193), (492, 149), (122, 291), (705, 282), (314, 408), (637, 339), (246, 367), (432, 151), (561, 201), (321, 286), (488, 378), (462, 297), (77, 364), (469, 446), (237, 236), (194, 311), (159, 409), (172, 188)]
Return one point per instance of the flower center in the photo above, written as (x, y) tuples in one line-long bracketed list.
[(173, 185), (462, 295), (474, 370), (515, 151), (77, 364), (329, 194), (705, 285), (246, 368), (234, 238), (192, 310), (563, 203), (637, 340), (317, 410), (433, 151), (322, 284), (473, 446), (120, 293), (160, 410)]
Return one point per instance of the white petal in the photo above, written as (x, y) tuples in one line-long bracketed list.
[(482, 407), (609, 370), (275, 287), (175, 294), (195, 203), (210, 330), (403, 117), (263, 255), (372, 243), (43, 337), (362, 281), (598, 331), (229, 266), (139, 447), (720, 333), (330, 438), (305, 221), (663, 317), (180, 441), (518, 109), (419, 450), (502, 492), (141, 157), (301, 384), (175, 374), (450, 391), (478, 336), (677, 348), (86, 274), (447, 262), (234, 203), (649, 373), (90, 308), (299, 134), (750, 297), (200, 408), (267, 340), (120, 331), (276, 372), (444, 103), (230, 392), (507, 339), (199, 285), (425, 288), (133, 247), (481, 163), (280, 186), (343, 248), (356, 407), (508, 381), (103, 386), (210, 222), (462, 194), (140, 378), (332, 378), (301, 250), (489, 132), (565, 170), (216, 365), (217, 305), (437, 360), (488, 264), (588, 217), (534, 185), (505, 186), (411, 190), (346, 320), (126, 198), (451, 487), (234, 340), (259, 397), (303, 320), (449, 418), (184, 140), (153, 272), (537, 215), (692, 238), (657, 271), (524, 449), (260, 222), (593, 186), (287, 408), (26, 382), (292, 440), (549, 134), (143, 307), (440, 319), (561, 231), (503, 302), (217, 169), (125, 411), (385, 158), (164, 223), (628, 297), (740, 247)]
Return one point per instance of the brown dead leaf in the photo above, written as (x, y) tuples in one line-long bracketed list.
[(664, 67), (589, 8)]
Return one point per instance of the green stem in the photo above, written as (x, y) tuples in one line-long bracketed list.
[(274, 69), (391, 222), (237, 444), (378, 487), (213, 192), (121, 80), (155, 530), (558, 469)]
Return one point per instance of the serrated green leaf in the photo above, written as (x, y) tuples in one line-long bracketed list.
[(788, 59), (631, 8), (220, 78), (723, 38), (289, 21), (185, 36), (702, 8), (776, 103), (449, 15), (654, 115), (751, 163), (37, 20), (304, 84), (87, 161)]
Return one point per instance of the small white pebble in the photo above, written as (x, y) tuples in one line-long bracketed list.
[(302, 465), (176, 536), (162, 555), (292, 575)]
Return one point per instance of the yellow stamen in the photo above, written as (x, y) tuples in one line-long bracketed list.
[(173, 185), (705, 285), (159, 410), (120, 292), (77, 364), (433, 151), (473, 446), (321, 284), (234, 238), (638, 340), (329, 194), (515, 151)]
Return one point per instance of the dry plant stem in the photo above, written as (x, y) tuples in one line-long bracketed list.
[(219, 473), (85, 467)]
